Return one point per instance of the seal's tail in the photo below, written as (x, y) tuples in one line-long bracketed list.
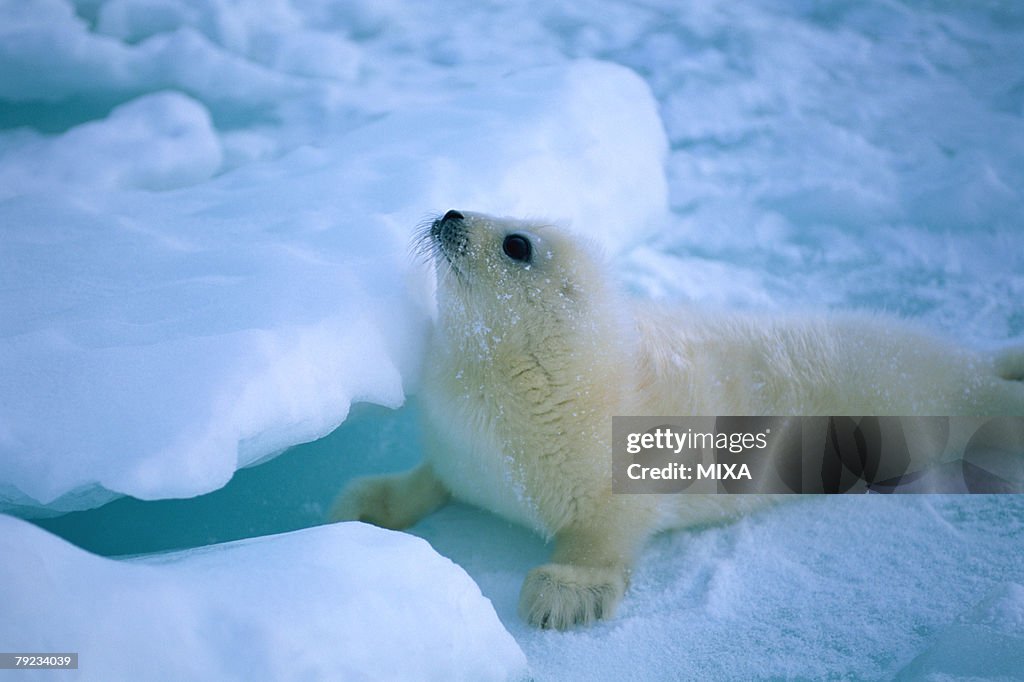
[(1009, 363)]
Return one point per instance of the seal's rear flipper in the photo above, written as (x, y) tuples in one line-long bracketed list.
[(1009, 363)]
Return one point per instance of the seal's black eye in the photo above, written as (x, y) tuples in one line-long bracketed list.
[(517, 247)]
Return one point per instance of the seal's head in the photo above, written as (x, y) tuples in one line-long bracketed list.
[(514, 279)]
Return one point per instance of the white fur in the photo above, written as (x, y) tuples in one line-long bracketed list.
[(527, 365)]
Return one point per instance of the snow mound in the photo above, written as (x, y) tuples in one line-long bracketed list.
[(987, 643), (158, 141), (151, 343), (345, 602)]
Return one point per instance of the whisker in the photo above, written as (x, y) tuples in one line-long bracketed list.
[(424, 247)]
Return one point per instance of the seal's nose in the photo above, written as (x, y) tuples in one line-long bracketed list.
[(451, 233), (452, 220)]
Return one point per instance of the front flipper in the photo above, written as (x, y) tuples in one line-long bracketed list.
[(589, 570), (394, 501), (560, 596)]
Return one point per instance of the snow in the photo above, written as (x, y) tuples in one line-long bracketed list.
[(182, 149), (250, 610), (852, 588), (205, 216)]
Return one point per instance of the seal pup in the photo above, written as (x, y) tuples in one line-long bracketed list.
[(533, 352)]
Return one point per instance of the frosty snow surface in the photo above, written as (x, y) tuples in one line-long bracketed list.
[(303, 605), (205, 212)]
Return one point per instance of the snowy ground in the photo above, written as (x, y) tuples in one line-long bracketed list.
[(251, 610), (205, 209)]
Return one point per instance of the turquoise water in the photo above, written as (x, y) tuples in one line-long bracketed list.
[(294, 490)]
